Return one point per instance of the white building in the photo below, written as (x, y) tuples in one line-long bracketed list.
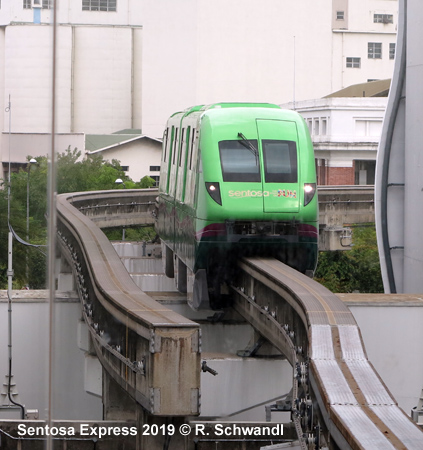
[(138, 155), (127, 64), (345, 132)]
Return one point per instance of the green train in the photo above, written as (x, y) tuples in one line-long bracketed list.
[(237, 179)]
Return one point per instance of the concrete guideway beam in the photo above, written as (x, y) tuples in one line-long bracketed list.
[(118, 208), (331, 371), (149, 350)]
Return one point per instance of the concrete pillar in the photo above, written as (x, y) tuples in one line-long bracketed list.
[(117, 403), (65, 281), (173, 440)]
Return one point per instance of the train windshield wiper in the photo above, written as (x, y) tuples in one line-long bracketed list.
[(249, 145)]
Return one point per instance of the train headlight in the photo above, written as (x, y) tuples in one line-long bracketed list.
[(309, 191), (214, 191)]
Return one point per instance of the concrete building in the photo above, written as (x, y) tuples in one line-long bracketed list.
[(126, 64), (242, 51), (97, 63), (345, 133), (139, 155)]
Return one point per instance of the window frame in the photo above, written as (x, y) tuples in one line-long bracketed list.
[(281, 177), (374, 50), (99, 5), (353, 62), (383, 18), (239, 177), (392, 50)]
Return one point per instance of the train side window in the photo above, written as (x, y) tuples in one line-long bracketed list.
[(196, 176), (184, 163), (238, 162), (165, 144), (175, 146), (182, 147), (191, 149), (166, 167), (280, 161)]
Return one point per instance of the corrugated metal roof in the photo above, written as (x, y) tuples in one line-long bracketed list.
[(95, 142), (129, 131), (98, 142), (379, 88)]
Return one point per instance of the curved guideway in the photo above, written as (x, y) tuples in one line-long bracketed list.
[(149, 348), (320, 337)]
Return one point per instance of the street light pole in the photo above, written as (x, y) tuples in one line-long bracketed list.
[(120, 181), (30, 162)]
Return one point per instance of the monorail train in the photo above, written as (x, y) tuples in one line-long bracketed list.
[(237, 179)]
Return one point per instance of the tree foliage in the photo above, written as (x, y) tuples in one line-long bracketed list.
[(355, 270), (73, 174)]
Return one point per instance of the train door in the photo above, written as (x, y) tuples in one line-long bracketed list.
[(278, 142)]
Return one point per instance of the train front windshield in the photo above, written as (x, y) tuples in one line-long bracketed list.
[(241, 163), (238, 162), (280, 161)]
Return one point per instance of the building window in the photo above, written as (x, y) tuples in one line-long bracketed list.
[(383, 18), (324, 127), (156, 178), (364, 172), (374, 50), (45, 4), (317, 127), (154, 168), (368, 127), (355, 63), (339, 15), (392, 51), (99, 5), (125, 168)]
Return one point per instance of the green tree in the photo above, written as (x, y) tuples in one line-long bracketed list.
[(146, 182), (352, 270), (73, 175)]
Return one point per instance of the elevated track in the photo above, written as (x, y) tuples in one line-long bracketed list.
[(335, 386), (146, 343), (339, 401)]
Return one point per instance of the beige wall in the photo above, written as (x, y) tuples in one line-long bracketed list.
[(203, 52), (340, 5), (138, 155), (103, 83), (23, 145)]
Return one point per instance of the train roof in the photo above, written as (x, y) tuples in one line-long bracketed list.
[(196, 108)]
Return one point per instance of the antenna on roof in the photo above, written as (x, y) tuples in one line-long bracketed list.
[(293, 94)]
